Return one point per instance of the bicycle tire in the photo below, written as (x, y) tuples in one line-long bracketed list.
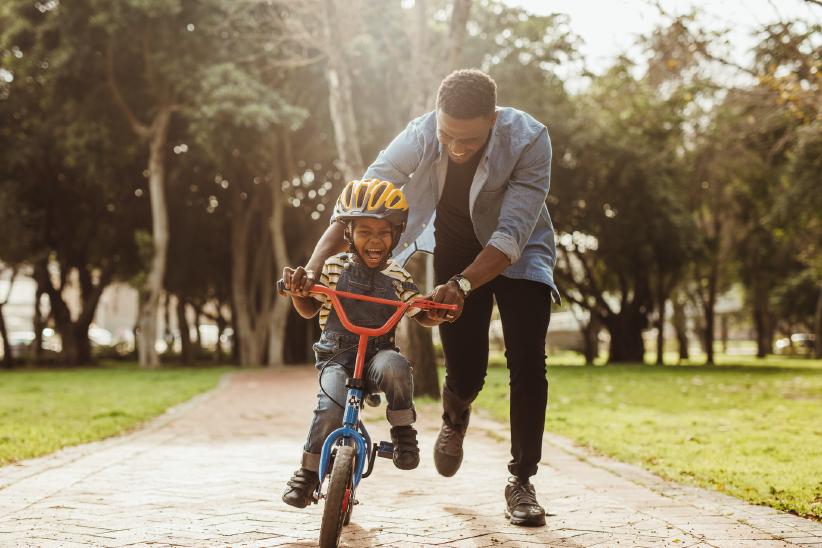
[(339, 498)]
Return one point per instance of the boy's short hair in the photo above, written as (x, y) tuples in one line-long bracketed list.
[(466, 94)]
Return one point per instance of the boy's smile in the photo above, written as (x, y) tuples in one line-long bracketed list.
[(372, 240)]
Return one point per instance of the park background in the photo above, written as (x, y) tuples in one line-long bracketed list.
[(161, 162)]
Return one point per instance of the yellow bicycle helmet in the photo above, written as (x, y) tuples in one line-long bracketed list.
[(376, 199)]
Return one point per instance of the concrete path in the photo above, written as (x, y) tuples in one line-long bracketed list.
[(210, 473)]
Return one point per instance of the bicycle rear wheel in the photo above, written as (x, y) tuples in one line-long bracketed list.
[(340, 497)]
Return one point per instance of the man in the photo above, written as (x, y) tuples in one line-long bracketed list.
[(481, 174)]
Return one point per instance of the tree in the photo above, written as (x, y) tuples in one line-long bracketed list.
[(59, 186)]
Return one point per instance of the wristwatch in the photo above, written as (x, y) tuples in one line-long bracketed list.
[(463, 284)]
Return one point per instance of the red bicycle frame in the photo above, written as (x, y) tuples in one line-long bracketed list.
[(365, 332)]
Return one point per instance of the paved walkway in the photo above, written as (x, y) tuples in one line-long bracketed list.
[(210, 473)]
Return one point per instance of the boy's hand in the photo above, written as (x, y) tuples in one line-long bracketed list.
[(298, 280)]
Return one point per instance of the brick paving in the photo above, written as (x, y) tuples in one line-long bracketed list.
[(210, 473)]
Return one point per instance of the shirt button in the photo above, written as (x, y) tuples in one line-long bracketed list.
[(405, 244)]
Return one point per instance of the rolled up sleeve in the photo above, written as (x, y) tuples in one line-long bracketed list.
[(524, 198), (398, 161)]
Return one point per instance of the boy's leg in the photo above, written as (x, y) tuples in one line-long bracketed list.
[(389, 372), (328, 414), (327, 417)]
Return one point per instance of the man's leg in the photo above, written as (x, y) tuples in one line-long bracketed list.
[(389, 372), (465, 345), (525, 311), (327, 417)]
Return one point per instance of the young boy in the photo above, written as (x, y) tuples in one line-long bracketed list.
[(375, 213)]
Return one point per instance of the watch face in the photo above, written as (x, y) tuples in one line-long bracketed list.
[(464, 284)]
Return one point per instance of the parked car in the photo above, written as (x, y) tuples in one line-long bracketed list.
[(798, 344)]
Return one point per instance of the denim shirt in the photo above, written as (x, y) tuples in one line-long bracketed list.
[(506, 199)]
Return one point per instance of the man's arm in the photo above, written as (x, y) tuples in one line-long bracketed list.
[(489, 264), (331, 242)]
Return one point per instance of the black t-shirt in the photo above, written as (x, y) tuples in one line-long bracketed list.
[(453, 229)]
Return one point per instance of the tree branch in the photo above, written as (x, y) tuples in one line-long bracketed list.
[(139, 128)]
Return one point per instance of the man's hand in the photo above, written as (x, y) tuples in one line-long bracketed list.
[(447, 293), (298, 280)]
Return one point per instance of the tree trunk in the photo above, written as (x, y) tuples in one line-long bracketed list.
[(251, 275), (219, 356), (39, 323), (76, 347), (281, 306), (661, 303), (8, 359), (153, 287), (709, 310), (681, 328), (625, 329), (187, 350), (590, 339), (461, 9), (198, 339), (660, 334), (168, 333), (341, 104), (817, 344), (416, 342), (761, 320), (421, 70)]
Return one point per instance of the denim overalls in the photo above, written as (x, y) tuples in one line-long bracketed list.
[(386, 370)]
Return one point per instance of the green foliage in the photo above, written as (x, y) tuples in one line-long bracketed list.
[(751, 432), (43, 411)]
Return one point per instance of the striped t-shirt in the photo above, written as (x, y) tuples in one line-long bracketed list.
[(405, 287)]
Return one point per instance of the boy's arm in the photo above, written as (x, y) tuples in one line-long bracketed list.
[(307, 307), (331, 242)]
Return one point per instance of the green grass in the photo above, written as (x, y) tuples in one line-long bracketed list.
[(42, 411), (754, 432)]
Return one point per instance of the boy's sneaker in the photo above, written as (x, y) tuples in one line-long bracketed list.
[(406, 450), (521, 505), (301, 487)]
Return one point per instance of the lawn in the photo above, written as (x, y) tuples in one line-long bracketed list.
[(42, 411), (754, 432)]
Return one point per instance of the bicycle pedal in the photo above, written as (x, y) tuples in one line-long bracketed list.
[(385, 450)]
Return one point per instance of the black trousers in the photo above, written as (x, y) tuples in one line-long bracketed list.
[(525, 311)]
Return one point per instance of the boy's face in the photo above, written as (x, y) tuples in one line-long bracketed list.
[(372, 240)]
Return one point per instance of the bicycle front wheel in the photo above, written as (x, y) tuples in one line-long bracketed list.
[(340, 497)]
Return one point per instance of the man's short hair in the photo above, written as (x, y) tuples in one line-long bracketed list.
[(466, 94)]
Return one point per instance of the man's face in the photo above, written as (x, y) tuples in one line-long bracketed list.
[(463, 138), (372, 240)]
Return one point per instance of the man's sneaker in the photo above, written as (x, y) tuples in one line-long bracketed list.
[(521, 503), (301, 487), (406, 450), (448, 447)]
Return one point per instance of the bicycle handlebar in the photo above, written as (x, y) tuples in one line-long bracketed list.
[(335, 295)]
